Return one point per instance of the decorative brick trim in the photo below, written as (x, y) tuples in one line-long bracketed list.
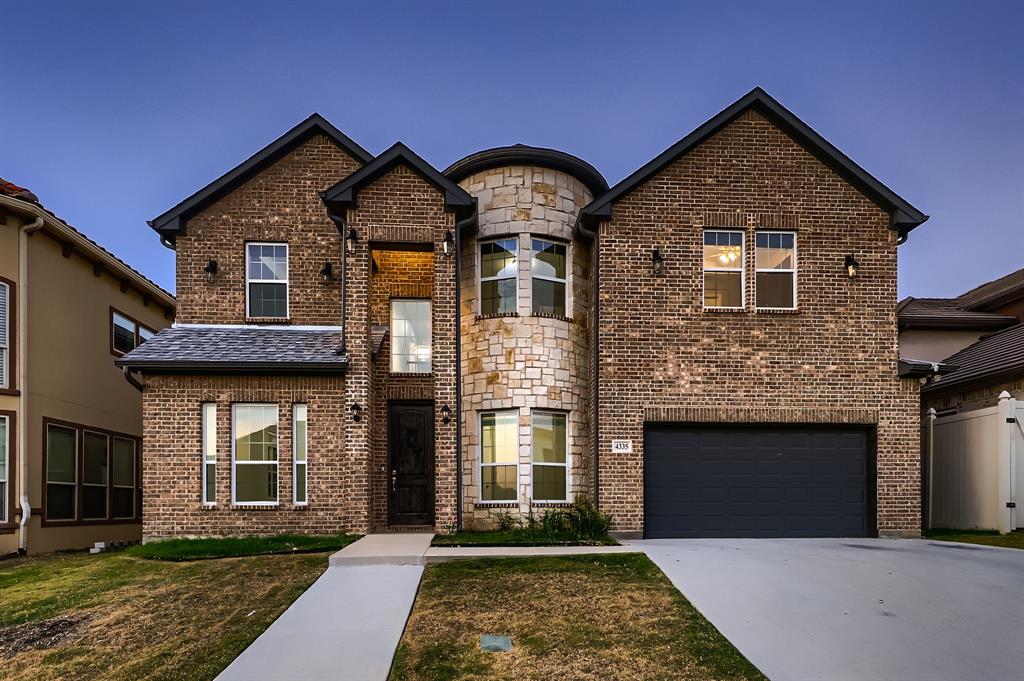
[(732, 219), (759, 415), (776, 221)]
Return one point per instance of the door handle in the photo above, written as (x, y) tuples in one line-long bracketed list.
[(394, 480)]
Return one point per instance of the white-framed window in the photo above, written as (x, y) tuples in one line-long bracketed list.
[(548, 442), (95, 475), (5, 448), (5, 332), (254, 454), (61, 472), (775, 270), (300, 441), (548, 269), (499, 455), (410, 335), (498, 276), (123, 478), (209, 446), (723, 269), (266, 280)]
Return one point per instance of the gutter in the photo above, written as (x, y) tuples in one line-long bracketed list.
[(26, 508)]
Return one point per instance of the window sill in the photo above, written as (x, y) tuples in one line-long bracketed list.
[(13, 392), (542, 315), (496, 504), (777, 310), (269, 506), (267, 320), (551, 504), (725, 310), (410, 374), (207, 507), (498, 315)]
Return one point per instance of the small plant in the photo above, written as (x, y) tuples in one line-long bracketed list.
[(554, 521), (586, 520), (506, 521)]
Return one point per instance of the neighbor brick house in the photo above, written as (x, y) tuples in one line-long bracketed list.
[(368, 343)]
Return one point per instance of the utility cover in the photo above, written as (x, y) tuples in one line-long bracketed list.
[(495, 644)]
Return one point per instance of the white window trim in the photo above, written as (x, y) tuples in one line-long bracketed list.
[(742, 269), (105, 485), (73, 484), (135, 478), (480, 458), (566, 465), (792, 271), (430, 332), (234, 462), (480, 278), (565, 280), (285, 281), (208, 410), (5, 341), (295, 456), (6, 442)]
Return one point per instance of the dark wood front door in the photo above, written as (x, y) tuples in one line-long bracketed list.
[(410, 463)]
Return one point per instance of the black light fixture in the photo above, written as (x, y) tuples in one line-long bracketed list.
[(657, 261), (327, 273), (351, 240), (448, 245), (356, 411), (211, 270), (446, 415), (851, 265)]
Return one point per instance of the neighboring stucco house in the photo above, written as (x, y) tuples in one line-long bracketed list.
[(367, 343), (70, 426)]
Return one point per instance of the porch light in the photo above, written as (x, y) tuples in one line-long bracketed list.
[(356, 411), (446, 415), (657, 261), (448, 245), (851, 265), (350, 241), (327, 273), (211, 270)]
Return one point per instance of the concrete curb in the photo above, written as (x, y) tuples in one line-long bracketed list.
[(444, 554)]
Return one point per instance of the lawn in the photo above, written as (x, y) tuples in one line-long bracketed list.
[(117, 616), (1013, 540), (228, 547), (574, 617)]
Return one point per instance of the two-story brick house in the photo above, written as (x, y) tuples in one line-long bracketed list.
[(368, 343)]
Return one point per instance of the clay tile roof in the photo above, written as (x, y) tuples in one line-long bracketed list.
[(998, 354), (947, 313), (13, 190)]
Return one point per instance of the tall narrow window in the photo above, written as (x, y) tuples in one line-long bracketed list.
[(124, 333), (4, 465), (209, 453), (266, 273), (300, 435), (548, 268), (410, 336), (95, 470), (775, 276), (123, 478), (5, 332), (499, 455), (550, 464), (254, 435), (498, 268), (61, 468), (723, 269)]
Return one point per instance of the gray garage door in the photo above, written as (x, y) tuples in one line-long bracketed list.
[(763, 481)]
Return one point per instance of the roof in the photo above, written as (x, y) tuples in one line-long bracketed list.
[(903, 216), (523, 155), (994, 293), (346, 192), (997, 355), (89, 248), (229, 349), (919, 368), (174, 221), (947, 313)]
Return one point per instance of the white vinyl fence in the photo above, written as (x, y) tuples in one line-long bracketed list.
[(976, 467)]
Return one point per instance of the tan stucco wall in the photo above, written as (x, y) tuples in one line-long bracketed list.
[(934, 345)]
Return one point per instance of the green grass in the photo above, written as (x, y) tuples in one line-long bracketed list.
[(1013, 540), (228, 547), (519, 537), (587, 617)]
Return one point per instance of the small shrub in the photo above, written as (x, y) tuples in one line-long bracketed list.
[(507, 521), (586, 520)]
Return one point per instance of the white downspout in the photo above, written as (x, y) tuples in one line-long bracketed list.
[(22, 323)]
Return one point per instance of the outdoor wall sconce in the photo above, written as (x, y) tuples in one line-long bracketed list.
[(351, 240), (446, 415), (356, 411), (851, 265), (657, 261), (327, 273), (211, 270), (448, 245)]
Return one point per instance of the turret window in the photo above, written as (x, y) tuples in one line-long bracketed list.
[(548, 270), (498, 269)]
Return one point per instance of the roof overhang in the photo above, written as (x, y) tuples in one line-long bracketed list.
[(523, 155)]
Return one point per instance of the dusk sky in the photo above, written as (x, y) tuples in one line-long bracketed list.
[(112, 112)]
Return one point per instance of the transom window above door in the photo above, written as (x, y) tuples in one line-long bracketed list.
[(410, 336), (498, 269), (266, 280), (723, 269)]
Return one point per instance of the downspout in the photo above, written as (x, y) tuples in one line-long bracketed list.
[(134, 382), (466, 222), (593, 236), (26, 507), (339, 222)]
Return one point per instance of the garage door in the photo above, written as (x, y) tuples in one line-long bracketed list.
[(763, 481)]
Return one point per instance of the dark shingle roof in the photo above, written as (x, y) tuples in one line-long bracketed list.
[(998, 354), (182, 349), (1003, 289), (947, 313)]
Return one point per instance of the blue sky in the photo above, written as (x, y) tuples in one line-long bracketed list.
[(112, 112)]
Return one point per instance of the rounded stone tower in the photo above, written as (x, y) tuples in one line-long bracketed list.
[(526, 327)]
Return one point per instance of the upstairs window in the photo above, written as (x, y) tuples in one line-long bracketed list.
[(499, 455), (266, 280), (126, 334), (5, 332), (775, 276), (410, 336), (548, 267), (723, 269), (498, 268)]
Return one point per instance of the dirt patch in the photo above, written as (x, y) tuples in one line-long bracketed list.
[(43, 634)]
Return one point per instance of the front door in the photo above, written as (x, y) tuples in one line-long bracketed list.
[(410, 463)]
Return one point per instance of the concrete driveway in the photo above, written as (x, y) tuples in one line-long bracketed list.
[(857, 608)]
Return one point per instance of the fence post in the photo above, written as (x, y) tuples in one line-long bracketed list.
[(931, 465), (1007, 421)]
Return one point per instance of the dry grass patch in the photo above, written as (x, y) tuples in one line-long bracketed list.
[(114, 616), (592, 617)]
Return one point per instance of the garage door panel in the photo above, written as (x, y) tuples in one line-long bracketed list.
[(766, 481)]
